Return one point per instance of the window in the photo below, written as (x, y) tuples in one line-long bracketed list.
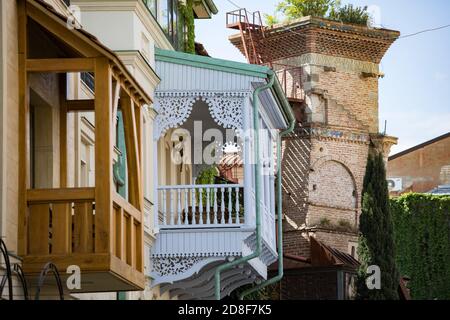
[(152, 5), (164, 20), (169, 20), (353, 249), (86, 163), (174, 22)]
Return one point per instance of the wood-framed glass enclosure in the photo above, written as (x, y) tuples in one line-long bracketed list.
[(92, 227)]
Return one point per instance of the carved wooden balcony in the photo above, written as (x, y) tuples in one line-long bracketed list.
[(64, 228), (95, 228)]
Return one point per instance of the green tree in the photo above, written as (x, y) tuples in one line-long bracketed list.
[(271, 19), (329, 9), (376, 242), (350, 14), (294, 9)]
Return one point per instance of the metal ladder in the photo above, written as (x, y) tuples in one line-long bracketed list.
[(250, 30)]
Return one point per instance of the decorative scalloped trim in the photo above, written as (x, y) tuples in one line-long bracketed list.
[(193, 255), (170, 270), (175, 107)]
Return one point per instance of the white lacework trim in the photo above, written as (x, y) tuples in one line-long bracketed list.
[(172, 112), (226, 111), (174, 108)]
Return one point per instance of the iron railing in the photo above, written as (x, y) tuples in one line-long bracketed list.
[(15, 268)]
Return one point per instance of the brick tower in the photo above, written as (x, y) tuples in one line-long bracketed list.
[(330, 74)]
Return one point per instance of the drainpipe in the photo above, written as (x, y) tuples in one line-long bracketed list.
[(288, 110), (258, 169)]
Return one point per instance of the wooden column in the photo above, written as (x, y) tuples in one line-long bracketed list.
[(132, 141), (63, 131), (103, 156)]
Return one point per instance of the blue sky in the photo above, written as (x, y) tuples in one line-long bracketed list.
[(414, 94)]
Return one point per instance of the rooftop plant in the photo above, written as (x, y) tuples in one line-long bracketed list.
[(350, 14), (329, 9)]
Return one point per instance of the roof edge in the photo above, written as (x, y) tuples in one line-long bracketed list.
[(211, 63), (212, 6), (340, 26), (419, 146)]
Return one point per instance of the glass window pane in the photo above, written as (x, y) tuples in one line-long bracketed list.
[(175, 23), (164, 22), (152, 6)]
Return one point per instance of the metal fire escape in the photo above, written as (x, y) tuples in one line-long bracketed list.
[(251, 30), (253, 37)]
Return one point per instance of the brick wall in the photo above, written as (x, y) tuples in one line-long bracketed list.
[(338, 240), (354, 93), (424, 168), (324, 166)]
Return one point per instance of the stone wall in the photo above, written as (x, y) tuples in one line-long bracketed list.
[(9, 189)]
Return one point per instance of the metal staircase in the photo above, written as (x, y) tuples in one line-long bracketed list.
[(252, 33), (251, 30)]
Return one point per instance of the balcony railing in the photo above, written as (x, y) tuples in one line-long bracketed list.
[(61, 221), (291, 80), (197, 206), (64, 227)]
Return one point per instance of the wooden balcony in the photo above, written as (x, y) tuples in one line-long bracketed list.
[(94, 228), (64, 228)]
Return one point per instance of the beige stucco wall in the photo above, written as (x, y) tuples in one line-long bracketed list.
[(9, 125)]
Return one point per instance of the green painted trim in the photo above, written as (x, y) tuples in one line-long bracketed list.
[(211, 63), (258, 170), (282, 99), (121, 295), (288, 110), (119, 168), (211, 6)]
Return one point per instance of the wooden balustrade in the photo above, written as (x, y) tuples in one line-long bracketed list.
[(201, 205), (127, 233), (62, 223)]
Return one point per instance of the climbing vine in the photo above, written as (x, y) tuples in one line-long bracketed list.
[(187, 13), (422, 240), (207, 177)]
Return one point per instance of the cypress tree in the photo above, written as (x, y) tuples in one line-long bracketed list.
[(376, 240)]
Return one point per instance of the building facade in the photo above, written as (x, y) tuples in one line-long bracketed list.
[(51, 140), (100, 177), (421, 168), (330, 73)]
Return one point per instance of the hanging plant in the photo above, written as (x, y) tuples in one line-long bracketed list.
[(187, 12)]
